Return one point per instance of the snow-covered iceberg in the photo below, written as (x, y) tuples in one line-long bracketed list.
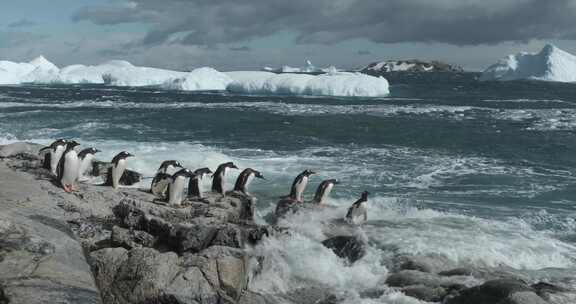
[(550, 64), (309, 68), (123, 73), (330, 84)]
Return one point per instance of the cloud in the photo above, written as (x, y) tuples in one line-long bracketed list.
[(22, 23), (17, 38), (364, 52), (456, 22), (241, 49)]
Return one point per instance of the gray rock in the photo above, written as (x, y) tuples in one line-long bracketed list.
[(105, 264), (130, 239), (426, 263), (348, 247), (457, 272), (417, 278), (505, 291), (425, 293), (19, 148)]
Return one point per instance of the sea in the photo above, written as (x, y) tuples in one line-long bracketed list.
[(481, 173)]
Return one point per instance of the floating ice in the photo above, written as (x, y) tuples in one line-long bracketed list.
[(550, 64)]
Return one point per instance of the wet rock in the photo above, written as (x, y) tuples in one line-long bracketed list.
[(545, 290), (504, 291), (348, 247), (232, 265), (425, 293), (417, 278), (130, 239), (105, 264), (456, 272), (424, 263)]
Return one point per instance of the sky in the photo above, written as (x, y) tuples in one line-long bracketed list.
[(249, 34)]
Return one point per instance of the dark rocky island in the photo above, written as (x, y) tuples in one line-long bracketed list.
[(386, 67)]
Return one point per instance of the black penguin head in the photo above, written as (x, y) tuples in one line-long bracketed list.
[(167, 163), (365, 195), (59, 142), (203, 171), (71, 144), (92, 150), (230, 165), (308, 172), (185, 173), (257, 174), (123, 155)]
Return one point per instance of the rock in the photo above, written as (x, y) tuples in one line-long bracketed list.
[(131, 239), (105, 264), (190, 286), (232, 265), (425, 293), (348, 247), (432, 263), (286, 206), (19, 148), (456, 272), (504, 291), (417, 278), (414, 66), (544, 289)]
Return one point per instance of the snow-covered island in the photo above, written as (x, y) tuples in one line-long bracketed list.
[(410, 66), (550, 64), (123, 73)]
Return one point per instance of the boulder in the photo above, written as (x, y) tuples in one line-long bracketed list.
[(417, 278), (130, 239), (504, 291), (432, 263), (425, 293), (347, 247)]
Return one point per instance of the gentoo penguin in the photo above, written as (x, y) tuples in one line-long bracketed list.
[(245, 178), (68, 167), (323, 191), (299, 184), (169, 167), (160, 184), (86, 156), (218, 181), (53, 154), (358, 213), (119, 164), (195, 184), (176, 187)]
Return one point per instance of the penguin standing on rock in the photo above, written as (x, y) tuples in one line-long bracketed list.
[(86, 157), (299, 185), (323, 191), (245, 178), (358, 212), (169, 167), (68, 167), (176, 187), (119, 164), (160, 184), (53, 154), (218, 181), (195, 184)]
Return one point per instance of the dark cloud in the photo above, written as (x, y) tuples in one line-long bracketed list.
[(22, 23), (205, 22), (364, 52), (241, 49)]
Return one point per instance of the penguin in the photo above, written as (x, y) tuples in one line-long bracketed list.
[(195, 184), (86, 156), (169, 167), (358, 213), (218, 181), (68, 167), (299, 185), (160, 184), (119, 164), (176, 187), (245, 178), (323, 191), (52, 155)]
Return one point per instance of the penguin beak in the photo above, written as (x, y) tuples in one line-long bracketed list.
[(234, 167), (336, 182), (261, 177), (130, 155), (96, 151)]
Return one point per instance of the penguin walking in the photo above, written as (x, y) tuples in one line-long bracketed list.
[(323, 191), (292, 201), (176, 187), (86, 157), (119, 164), (169, 167), (218, 181), (195, 184), (358, 212), (52, 155), (160, 184), (245, 178), (68, 167), (299, 185)]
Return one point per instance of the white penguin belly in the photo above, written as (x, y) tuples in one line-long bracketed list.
[(117, 172), (326, 193), (177, 191), (300, 189), (71, 165), (359, 214), (85, 165), (55, 158)]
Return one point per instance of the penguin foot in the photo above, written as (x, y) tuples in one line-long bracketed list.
[(67, 188)]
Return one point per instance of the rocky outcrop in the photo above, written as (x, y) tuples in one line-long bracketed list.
[(409, 66), (505, 291), (348, 247), (101, 245)]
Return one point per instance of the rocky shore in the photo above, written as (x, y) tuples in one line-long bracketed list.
[(100, 245)]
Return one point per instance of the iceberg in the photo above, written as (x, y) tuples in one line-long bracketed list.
[(342, 84), (550, 64), (123, 73), (309, 69)]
